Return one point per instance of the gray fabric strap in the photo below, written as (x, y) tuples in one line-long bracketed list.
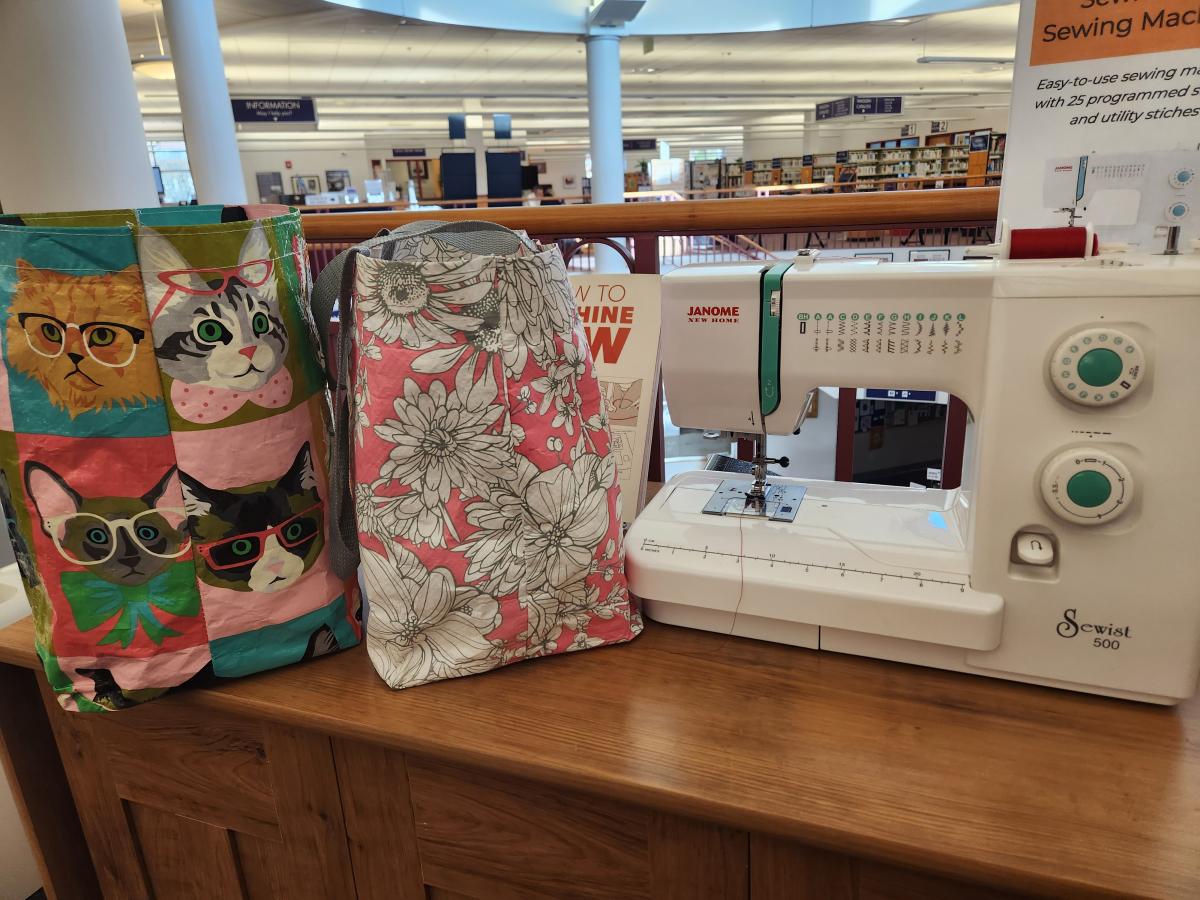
[(469, 235), (325, 297), (343, 530)]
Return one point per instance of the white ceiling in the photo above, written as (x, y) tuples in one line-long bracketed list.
[(372, 73)]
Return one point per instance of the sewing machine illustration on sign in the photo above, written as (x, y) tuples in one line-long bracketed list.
[(1069, 557), (1129, 196)]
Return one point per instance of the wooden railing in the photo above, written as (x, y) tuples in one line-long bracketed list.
[(891, 209), (901, 182), (865, 215)]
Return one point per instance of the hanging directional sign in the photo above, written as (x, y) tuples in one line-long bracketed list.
[(878, 106), (835, 109), (274, 111), (860, 106)]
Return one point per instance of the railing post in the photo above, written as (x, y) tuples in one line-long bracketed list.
[(847, 416), (955, 441), (645, 262), (645, 254)]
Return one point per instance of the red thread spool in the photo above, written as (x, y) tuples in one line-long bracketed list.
[(1051, 243)]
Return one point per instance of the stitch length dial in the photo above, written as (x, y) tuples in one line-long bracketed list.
[(1087, 486)]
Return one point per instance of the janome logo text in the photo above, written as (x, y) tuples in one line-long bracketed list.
[(726, 315)]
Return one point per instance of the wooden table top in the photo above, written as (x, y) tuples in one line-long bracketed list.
[(1026, 787)]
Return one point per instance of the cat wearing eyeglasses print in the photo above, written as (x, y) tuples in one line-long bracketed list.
[(124, 540), (261, 537), (127, 556), (217, 332), (82, 338)]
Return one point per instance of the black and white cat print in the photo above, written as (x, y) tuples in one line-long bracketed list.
[(218, 333)]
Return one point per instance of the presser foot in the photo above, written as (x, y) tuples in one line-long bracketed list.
[(776, 502)]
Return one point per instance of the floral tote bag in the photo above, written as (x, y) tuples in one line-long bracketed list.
[(485, 516), (163, 448)]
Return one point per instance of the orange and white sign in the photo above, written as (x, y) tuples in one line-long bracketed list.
[(621, 316), (1103, 77), (1074, 30)]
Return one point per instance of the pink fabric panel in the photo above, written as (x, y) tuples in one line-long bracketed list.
[(487, 499)]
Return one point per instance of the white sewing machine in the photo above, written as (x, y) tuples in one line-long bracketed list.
[(1127, 196), (1070, 557)]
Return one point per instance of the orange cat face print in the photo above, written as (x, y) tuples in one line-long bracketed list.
[(83, 338), (78, 346)]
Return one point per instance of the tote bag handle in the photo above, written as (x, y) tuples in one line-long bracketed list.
[(470, 235)]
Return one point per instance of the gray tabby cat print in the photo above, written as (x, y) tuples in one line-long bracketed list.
[(218, 332)]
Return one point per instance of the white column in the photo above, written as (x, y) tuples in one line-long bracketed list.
[(604, 132), (71, 133), (477, 141), (204, 99)]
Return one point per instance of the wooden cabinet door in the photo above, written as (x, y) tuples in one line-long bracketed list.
[(421, 828), (176, 802), (784, 870)]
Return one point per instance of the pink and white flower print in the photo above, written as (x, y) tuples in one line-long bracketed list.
[(487, 502)]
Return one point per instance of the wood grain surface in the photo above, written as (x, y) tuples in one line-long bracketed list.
[(310, 813), (1014, 785), (782, 870), (377, 804), (112, 843), (177, 801), (211, 771), (171, 848), (39, 788), (265, 867), (508, 838), (752, 215), (691, 860)]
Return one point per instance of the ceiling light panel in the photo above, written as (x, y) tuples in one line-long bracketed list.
[(368, 70)]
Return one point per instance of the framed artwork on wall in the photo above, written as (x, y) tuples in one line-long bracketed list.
[(928, 255), (306, 184)]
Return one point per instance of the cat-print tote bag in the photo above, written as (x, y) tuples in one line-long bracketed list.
[(487, 508), (163, 448)]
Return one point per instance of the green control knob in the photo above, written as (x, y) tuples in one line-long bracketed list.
[(1087, 485), (1089, 488), (1097, 366), (1100, 367)]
